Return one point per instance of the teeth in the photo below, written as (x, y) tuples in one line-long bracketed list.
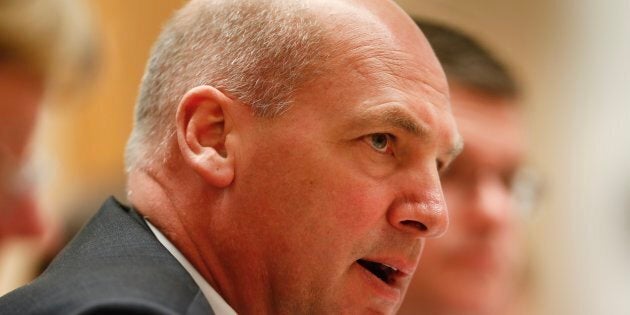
[(382, 271)]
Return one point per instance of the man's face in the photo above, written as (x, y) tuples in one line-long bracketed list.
[(343, 185), (472, 268)]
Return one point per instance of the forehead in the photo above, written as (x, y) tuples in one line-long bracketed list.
[(379, 39), (476, 110), (492, 126), (377, 59), (404, 74), (377, 89), (380, 68)]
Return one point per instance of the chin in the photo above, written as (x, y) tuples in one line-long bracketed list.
[(479, 301)]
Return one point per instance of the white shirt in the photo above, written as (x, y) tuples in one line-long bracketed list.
[(218, 304)]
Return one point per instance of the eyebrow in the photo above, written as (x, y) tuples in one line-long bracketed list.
[(401, 119), (397, 118)]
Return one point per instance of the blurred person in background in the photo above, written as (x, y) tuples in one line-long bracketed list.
[(478, 266), (45, 49)]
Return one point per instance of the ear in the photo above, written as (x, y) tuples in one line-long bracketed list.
[(202, 128)]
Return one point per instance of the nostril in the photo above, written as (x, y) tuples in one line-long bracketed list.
[(415, 224)]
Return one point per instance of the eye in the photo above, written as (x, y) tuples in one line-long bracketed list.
[(381, 142)]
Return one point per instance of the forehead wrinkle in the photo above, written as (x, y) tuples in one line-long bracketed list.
[(374, 62), (396, 69)]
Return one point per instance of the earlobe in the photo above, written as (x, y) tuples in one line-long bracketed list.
[(202, 128)]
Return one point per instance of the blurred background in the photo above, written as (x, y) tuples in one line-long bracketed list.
[(571, 59), (570, 56)]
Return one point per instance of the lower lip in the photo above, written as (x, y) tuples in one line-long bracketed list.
[(382, 289)]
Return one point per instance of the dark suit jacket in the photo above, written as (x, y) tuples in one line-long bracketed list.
[(115, 265)]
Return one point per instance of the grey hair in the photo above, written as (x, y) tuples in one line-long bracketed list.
[(467, 62), (257, 51)]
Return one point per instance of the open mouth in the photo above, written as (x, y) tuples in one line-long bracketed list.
[(384, 272)]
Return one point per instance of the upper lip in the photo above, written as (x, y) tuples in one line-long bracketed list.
[(478, 256)]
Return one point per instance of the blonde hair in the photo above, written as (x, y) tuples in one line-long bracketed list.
[(52, 39)]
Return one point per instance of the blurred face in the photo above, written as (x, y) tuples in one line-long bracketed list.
[(20, 97), (21, 93), (333, 200), (472, 268)]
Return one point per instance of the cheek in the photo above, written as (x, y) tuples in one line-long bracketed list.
[(454, 196), (360, 206), (16, 126), (514, 236), (328, 201), (23, 95)]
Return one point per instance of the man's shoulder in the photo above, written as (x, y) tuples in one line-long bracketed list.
[(26, 303), (114, 265)]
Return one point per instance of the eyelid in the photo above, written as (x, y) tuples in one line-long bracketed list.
[(391, 139)]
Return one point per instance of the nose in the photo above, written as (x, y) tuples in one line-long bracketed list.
[(422, 211), (490, 203)]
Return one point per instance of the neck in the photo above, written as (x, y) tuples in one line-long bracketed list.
[(169, 212), (179, 204)]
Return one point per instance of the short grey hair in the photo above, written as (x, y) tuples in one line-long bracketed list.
[(258, 51), (468, 62)]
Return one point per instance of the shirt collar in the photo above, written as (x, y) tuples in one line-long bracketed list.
[(218, 304)]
